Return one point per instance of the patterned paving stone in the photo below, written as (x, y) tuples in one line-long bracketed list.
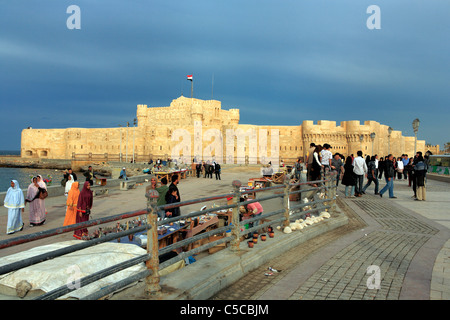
[(392, 218), (388, 251), (352, 276)]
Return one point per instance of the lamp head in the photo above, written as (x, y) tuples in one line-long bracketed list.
[(390, 130), (415, 125)]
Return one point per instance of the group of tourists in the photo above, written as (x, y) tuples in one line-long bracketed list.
[(352, 171), (320, 161), (208, 168), (166, 195)]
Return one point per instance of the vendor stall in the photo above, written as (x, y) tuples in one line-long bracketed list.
[(182, 174), (167, 234), (251, 195), (163, 174), (263, 182)]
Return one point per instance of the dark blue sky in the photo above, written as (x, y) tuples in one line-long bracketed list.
[(279, 62)]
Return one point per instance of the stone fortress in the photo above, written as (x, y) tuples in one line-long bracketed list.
[(193, 127)]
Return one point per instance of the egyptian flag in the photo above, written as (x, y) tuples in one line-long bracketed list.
[(189, 77)]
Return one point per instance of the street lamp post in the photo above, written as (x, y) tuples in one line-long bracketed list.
[(126, 146), (389, 139), (134, 126), (415, 125), (372, 136), (120, 151)]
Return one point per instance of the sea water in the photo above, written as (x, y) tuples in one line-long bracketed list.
[(24, 175)]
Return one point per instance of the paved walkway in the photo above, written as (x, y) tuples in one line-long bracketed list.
[(404, 243)]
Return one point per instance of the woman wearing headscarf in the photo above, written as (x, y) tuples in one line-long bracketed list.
[(420, 170), (15, 202), (41, 182), (84, 205), (37, 205), (68, 184), (349, 178), (72, 202), (37, 215)]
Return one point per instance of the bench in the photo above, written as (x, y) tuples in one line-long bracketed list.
[(125, 185), (97, 191)]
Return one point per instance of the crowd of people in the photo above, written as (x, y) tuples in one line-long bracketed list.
[(78, 203), (167, 195), (352, 170), (208, 168)]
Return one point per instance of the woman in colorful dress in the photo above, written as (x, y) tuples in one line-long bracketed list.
[(72, 201), (15, 202), (84, 205)]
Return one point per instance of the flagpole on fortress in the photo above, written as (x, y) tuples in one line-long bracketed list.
[(190, 78)]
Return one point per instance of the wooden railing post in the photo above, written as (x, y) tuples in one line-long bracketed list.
[(236, 230), (152, 281)]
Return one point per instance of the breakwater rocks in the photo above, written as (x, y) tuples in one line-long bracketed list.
[(103, 169), (18, 162)]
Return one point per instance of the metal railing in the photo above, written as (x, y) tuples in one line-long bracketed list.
[(141, 157), (287, 213)]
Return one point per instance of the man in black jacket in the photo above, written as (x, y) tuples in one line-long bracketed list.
[(68, 173), (217, 171), (90, 175), (173, 196), (389, 174)]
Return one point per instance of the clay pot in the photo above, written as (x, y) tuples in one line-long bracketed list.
[(255, 236), (250, 244), (271, 234), (255, 240), (270, 229), (263, 237)]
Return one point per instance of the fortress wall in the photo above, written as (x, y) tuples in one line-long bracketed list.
[(324, 132), (157, 127), (43, 143)]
